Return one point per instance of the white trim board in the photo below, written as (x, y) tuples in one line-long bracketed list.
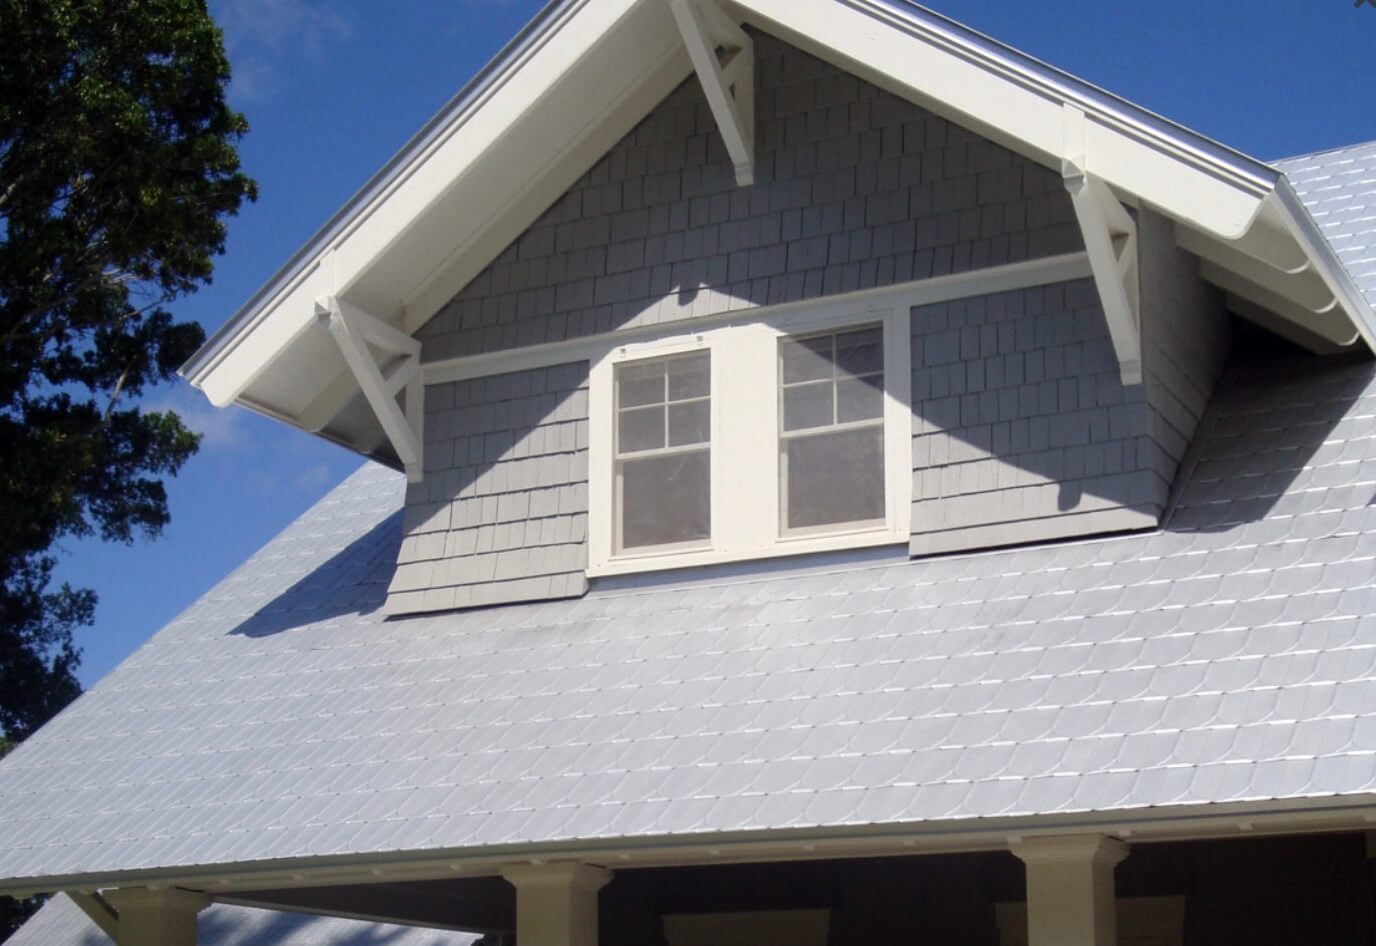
[(982, 282)]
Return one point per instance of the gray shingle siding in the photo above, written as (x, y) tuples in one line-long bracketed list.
[(855, 188), (502, 512), (1022, 428), (1185, 341)]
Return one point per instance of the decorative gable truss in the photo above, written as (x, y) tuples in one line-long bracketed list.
[(723, 57), (397, 373), (1110, 235)]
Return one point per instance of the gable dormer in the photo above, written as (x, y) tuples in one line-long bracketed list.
[(904, 316)]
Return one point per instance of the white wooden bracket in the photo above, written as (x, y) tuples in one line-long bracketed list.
[(723, 56), (98, 909), (1110, 235), (382, 381)]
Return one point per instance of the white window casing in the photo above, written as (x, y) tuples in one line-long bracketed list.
[(746, 429)]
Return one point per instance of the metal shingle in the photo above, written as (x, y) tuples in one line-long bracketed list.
[(1229, 656)]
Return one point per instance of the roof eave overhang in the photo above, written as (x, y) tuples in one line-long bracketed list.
[(452, 200), (1139, 825)]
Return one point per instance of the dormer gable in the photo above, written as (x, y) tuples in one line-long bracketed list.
[(1042, 320)]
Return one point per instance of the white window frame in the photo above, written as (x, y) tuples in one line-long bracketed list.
[(746, 522)]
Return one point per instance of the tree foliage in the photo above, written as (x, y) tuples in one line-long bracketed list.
[(118, 166)]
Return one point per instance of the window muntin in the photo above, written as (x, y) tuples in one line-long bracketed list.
[(831, 431), (746, 432), (662, 450)]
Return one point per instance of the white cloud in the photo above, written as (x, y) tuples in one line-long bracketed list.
[(259, 33), (314, 478), (218, 427)]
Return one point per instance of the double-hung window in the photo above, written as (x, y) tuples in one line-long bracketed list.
[(831, 437), (663, 453), (769, 435)]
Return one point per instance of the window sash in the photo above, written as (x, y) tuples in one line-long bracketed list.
[(644, 458), (747, 440), (832, 380)]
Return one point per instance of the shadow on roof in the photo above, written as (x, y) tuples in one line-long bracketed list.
[(1280, 419), (352, 582)]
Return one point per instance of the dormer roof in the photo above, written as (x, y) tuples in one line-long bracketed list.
[(584, 72)]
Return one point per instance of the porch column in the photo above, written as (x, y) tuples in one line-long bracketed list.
[(1070, 896), (556, 904), (156, 917)]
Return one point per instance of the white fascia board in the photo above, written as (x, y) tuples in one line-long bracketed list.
[(1188, 822), (412, 183)]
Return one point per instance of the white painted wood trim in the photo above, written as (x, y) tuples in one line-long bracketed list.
[(729, 83), (98, 909), (995, 279), (745, 474), (353, 331)]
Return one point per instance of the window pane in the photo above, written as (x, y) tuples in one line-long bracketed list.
[(688, 377), (666, 499), (808, 406), (689, 423), (859, 398), (806, 360), (834, 478), (640, 383), (641, 429), (860, 352)]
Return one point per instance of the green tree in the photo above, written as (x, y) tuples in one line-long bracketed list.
[(118, 167)]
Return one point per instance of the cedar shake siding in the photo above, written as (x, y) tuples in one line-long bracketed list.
[(1022, 429), (855, 188), (502, 512)]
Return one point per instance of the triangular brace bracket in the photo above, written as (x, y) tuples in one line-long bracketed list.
[(723, 57), (358, 334), (1110, 235)]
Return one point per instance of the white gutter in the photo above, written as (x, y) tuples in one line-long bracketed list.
[(1144, 824)]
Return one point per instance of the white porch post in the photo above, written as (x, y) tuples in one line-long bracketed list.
[(1070, 895), (156, 917), (556, 904)]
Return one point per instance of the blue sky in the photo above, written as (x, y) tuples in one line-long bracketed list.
[(333, 89)]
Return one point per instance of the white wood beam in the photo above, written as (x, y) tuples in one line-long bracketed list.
[(1110, 235), (355, 331), (723, 57), (98, 909)]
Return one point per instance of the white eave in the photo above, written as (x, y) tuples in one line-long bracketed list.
[(585, 72)]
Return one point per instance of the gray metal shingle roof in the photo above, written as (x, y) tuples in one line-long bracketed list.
[(61, 923), (1339, 188), (1229, 657)]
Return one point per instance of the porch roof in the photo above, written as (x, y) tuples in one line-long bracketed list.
[(62, 923), (282, 724)]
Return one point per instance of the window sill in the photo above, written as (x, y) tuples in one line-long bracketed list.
[(783, 548)]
